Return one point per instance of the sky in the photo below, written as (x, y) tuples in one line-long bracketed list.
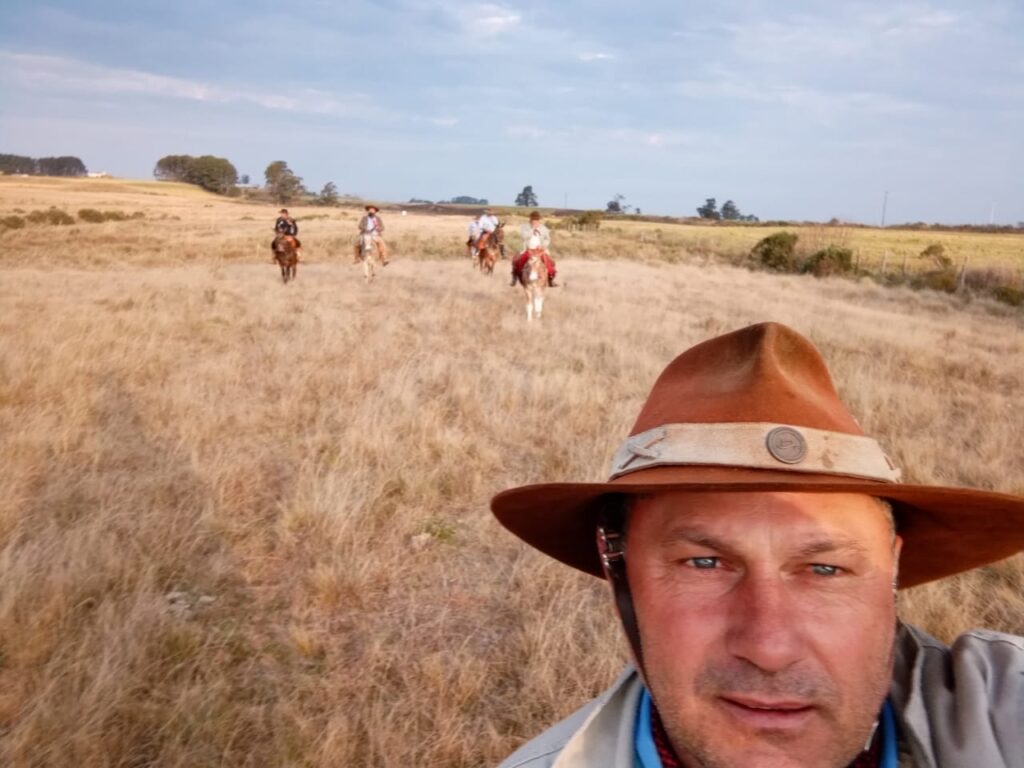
[(793, 109)]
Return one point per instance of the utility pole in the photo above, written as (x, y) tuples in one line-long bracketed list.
[(885, 202)]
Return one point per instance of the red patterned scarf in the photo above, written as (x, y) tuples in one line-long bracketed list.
[(870, 758)]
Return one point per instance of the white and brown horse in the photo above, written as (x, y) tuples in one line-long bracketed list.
[(534, 278), (370, 252), (286, 254)]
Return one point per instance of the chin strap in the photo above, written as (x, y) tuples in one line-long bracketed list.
[(611, 546)]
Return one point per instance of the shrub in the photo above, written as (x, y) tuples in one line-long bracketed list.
[(115, 215), (53, 216), (12, 222), (987, 279), (777, 252), (59, 218), (937, 252), (937, 280), (1008, 294), (91, 216), (829, 261)]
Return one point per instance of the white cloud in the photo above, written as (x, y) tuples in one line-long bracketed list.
[(526, 132), (596, 56), (81, 77), (484, 19), (820, 104), (842, 35)]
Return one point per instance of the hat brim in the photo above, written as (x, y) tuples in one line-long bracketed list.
[(944, 530)]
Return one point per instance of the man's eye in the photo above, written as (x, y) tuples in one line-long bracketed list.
[(704, 563), (825, 570)]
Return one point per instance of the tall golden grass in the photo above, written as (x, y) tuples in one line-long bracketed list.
[(317, 458)]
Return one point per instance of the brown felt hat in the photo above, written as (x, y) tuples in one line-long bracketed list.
[(756, 411), (372, 207)]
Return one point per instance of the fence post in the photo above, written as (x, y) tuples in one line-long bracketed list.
[(904, 264), (885, 260), (961, 278)]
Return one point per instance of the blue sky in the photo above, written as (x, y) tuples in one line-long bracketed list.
[(793, 109)]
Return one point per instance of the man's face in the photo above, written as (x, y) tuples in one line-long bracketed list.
[(767, 622)]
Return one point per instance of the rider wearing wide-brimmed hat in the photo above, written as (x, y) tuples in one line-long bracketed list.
[(754, 539), (371, 225), (536, 238)]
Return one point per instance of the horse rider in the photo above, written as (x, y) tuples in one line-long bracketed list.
[(536, 237), (474, 231), (286, 226), (753, 539), (372, 226), (488, 223)]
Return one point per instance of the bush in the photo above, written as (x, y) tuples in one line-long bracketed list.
[(91, 216), (1009, 295), (777, 252), (53, 216), (829, 261), (59, 218), (937, 280), (12, 222), (937, 253)]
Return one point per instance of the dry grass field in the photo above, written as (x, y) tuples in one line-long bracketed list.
[(246, 524)]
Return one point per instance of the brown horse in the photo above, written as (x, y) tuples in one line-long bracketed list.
[(286, 253), (493, 249)]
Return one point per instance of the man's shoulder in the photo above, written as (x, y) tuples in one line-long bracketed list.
[(542, 751), (980, 650), (605, 722), (961, 700)]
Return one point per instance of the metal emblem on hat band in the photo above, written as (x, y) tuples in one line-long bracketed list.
[(787, 445), (755, 445)]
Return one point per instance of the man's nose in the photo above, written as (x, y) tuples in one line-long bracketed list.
[(764, 626)]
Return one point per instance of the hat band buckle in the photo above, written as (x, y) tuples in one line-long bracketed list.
[(756, 445)]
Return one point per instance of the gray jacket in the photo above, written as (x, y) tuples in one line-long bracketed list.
[(959, 707)]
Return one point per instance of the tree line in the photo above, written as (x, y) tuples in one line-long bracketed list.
[(729, 211), (215, 174), (42, 166), (219, 175)]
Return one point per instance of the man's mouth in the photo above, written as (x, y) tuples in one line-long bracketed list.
[(768, 713)]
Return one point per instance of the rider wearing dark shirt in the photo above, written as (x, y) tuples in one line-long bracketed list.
[(285, 225)]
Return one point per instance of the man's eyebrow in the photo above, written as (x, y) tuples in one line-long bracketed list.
[(809, 547), (698, 537), (827, 544)]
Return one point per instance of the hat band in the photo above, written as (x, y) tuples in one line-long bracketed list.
[(755, 446)]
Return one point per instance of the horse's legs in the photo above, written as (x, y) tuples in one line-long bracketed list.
[(539, 302)]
